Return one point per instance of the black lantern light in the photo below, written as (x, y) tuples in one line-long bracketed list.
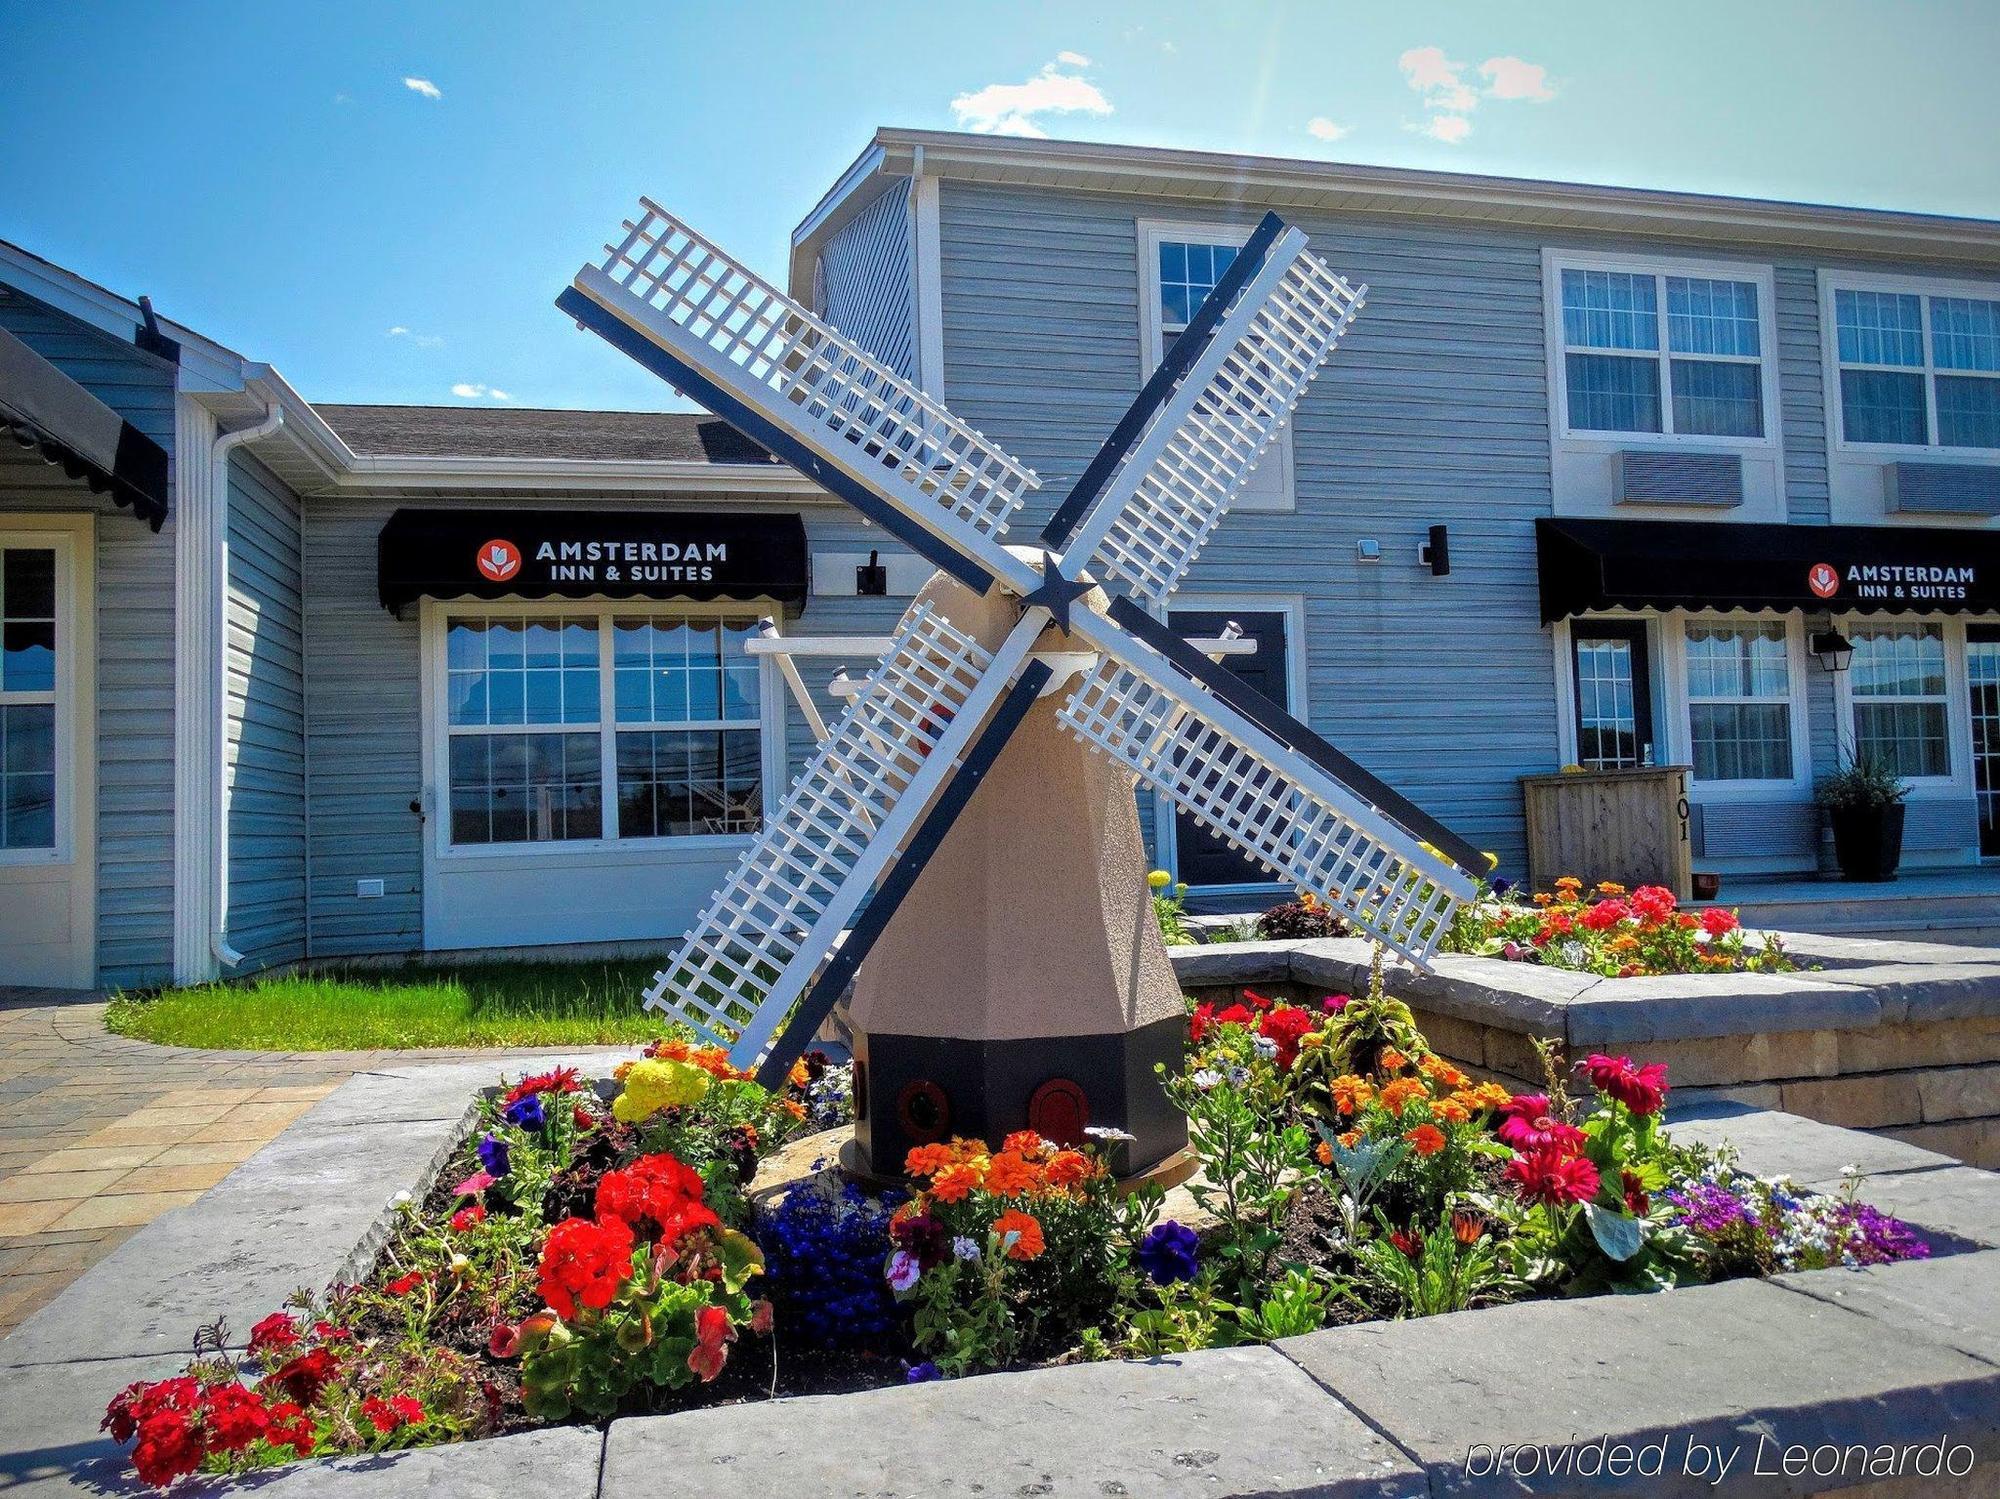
[(1835, 650)]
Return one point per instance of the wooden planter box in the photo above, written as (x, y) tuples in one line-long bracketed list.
[(1630, 826)]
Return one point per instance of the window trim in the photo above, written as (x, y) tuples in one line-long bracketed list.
[(1957, 704), (1832, 282), (1555, 261), (1152, 341), (73, 696), (1681, 705), (436, 799)]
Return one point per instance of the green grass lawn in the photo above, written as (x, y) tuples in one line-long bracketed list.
[(475, 1004)]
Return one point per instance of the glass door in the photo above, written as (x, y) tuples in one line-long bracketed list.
[(1201, 858), (1982, 675), (1613, 679)]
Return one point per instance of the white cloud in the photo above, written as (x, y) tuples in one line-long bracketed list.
[(1511, 78), (421, 340), (1073, 59), (471, 391), (1320, 128), (1010, 108), (423, 86), (1451, 129), (399, 331), (1439, 79)]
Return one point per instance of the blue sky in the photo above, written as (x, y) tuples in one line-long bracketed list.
[(299, 180)]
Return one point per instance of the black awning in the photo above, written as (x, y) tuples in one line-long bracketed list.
[(577, 554), (42, 408), (1588, 565)]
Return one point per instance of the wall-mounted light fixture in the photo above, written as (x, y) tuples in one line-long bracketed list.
[(871, 578), (1436, 552), (1835, 650)]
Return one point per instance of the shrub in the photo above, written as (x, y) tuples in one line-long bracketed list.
[(1308, 916)]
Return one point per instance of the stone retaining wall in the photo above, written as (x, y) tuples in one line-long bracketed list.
[(1901, 1038)]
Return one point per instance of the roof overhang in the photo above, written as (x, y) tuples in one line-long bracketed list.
[(1260, 182), (44, 409)]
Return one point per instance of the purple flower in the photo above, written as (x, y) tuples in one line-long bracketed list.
[(922, 1373), (526, 1113), (924, 1237), (493, 1156), (1707, 1208), (1167, 1253), (1872, 1237), (903, 1271)]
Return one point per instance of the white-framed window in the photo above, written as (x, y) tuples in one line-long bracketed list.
[(1898, 693), (1743, 716), (567, 724), (1179, 264), (28, 686), (1916, 364), (1663, 350)]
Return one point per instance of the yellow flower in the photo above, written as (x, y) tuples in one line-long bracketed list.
[(1159, 879), (1610, 887), (1492, 859), (654, 1085)]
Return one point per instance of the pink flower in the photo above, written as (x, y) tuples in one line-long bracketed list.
[(504, 1341), (473, 1185), (1333, 1004), (904, 1270), (1527, 1124), (1640, 1089)]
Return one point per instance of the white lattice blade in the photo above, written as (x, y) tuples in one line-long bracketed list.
[(692, 299), (777, 917), (1177, 483), (1276, 806)]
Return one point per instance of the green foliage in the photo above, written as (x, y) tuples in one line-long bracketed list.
[(1436, 1273), (1865, 781)]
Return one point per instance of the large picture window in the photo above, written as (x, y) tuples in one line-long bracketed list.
[(27, 698), (1898, 689), (1651, 352), (601, 725), (1739, 701), (1916, 369)]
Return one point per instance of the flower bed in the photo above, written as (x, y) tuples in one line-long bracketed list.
[(1610, 931), (578, 1259)]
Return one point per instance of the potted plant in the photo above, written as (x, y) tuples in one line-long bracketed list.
[(1864, 803)]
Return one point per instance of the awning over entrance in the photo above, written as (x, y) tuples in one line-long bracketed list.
[(576, 554), (43, 408), (1588, 565)]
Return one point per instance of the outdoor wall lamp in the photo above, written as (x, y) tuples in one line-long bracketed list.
[(1435, 552), (1835, 650)]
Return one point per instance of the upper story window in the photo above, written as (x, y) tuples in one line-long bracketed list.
[(1917, 369), (1658, 353), (1180, 266)]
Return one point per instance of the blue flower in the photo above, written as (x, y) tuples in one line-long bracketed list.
[(1167, 1253), (493, 1156), (922, 1373), (526, 1113)]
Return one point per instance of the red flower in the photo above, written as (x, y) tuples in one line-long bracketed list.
[(761, 1317), (1286, 1025), (504, 1341), (409, 1408), (304, 1377), (168, 1447), (290, 1427), (712, 1333), (581, 1118), (1652, 903), (402, 1285), (1255, 1000), (1527, 1124), (1637, 1203), (465, 1218), (1640, 1089), (274, 1334), (233, 1416), (658, 1197), (585, 1261), (1546, 1175), (1552, 927), (1405, 1245), (1606, 914), (380, 1414), (559, 1080), (1718, 922)]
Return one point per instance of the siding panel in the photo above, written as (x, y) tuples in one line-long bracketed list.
[(865, 280)]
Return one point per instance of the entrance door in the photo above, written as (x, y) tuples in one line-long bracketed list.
[(1613, 679), (1201, 857), (48, 869), (1982, 674)]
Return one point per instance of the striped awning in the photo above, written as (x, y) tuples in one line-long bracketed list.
[(46, 411)]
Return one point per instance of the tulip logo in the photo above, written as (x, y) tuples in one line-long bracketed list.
[(1823, 579), (499, 561)]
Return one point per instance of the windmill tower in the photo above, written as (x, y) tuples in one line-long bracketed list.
[(953, 733)]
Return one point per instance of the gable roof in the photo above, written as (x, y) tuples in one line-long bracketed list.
[(533, 433)]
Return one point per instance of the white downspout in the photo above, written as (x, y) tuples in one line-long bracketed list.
[(218, 457)]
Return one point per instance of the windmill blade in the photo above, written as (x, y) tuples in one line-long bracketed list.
[(1267, 784), (714, 329), (776, 919), (1155, 514)]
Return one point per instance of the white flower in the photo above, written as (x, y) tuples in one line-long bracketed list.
[(1109, 1135), (1207, 1078), (1267, 1048)]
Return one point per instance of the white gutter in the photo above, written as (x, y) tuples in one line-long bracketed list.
[(218, 458)]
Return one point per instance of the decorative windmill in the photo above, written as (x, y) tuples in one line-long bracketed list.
[(1026, 984)]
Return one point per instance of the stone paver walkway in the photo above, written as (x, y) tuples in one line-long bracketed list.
[(100, 1134)]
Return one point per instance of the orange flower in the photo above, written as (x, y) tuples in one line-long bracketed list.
[(1323, 1152), (1610, 887), (1351, 1139), (1029, 1244), (1427, 1139), (1024, 1142), (1067, 1168), (1451, 1111), (927, 1160), (1543, 898), (955, 1182), (1439, 1071), (1569, 884), (793, 1107), (1350, 1092), (1491, 1096), (1008, 1175), (799, 1076), (1393, 1060), (1402, 1091)]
